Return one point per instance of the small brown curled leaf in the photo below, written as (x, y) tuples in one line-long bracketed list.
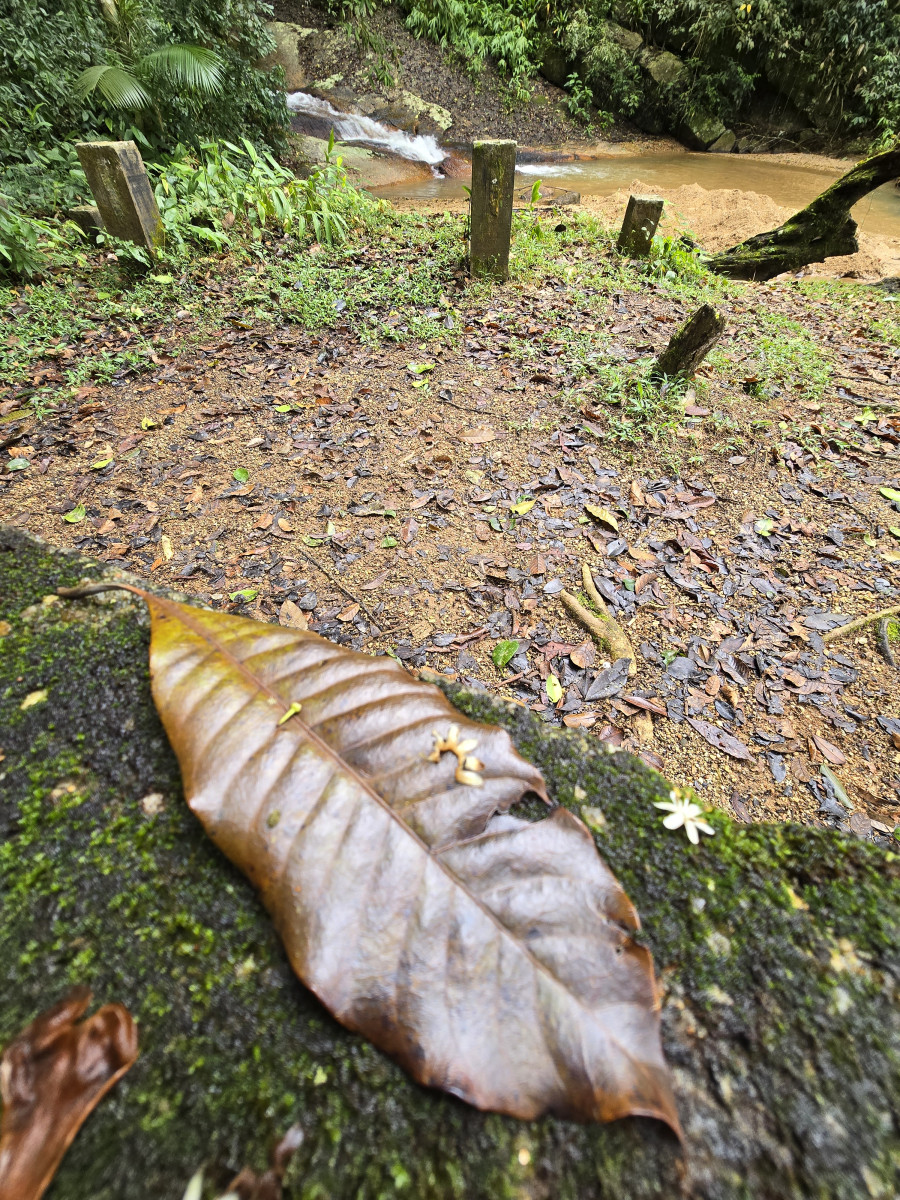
[(249, 1185), (52, 1076)]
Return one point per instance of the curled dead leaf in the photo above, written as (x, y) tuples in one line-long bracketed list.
[(52, 1076)]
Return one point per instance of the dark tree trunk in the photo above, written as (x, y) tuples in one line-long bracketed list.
[(824, 229), (691, 343)]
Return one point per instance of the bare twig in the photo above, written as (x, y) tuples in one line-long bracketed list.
[(859, 623), (328, 575)]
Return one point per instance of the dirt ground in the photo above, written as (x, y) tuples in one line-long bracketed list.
[(437, 511)]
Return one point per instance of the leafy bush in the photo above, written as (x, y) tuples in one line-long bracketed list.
[(838, 63), (604, 65), (21, 239), (506, 32), (142, 68), (208, 197)]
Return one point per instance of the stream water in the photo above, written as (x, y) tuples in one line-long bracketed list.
[(788, 184), (318, 118), (791, 185)]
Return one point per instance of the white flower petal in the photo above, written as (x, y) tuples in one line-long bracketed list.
[(674, 821)]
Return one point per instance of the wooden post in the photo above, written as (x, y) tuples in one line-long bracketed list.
[(493, 174), (119, 183), (641, 219), (87, 218), (690, 344)]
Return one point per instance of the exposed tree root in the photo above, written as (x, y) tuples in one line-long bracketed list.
[(824, 229), (859, 623), (608, 633)]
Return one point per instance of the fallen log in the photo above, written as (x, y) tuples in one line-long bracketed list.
[(824, 229)]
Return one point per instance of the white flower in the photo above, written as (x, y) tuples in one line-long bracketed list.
[(467, 765), (684, 812)]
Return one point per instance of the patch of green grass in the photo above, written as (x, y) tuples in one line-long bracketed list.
[(786, 358), (639, 408), (97, 320)]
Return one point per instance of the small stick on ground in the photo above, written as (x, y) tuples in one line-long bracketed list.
[(610, 634), (860, 623), (328, 575)]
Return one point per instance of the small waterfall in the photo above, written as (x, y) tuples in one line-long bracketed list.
[(351, 127)]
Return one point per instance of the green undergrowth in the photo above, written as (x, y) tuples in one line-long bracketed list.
[(402, 278), (774, 946)]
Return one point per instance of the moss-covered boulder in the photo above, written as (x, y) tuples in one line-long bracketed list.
[(778, 950)]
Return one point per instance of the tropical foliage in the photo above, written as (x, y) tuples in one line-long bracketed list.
[(47, 45), (141, 72), (24, 240), (839, 65), (223, 192)]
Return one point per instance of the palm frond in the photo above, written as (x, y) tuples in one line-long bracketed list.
[(192, 67), (117, 87)]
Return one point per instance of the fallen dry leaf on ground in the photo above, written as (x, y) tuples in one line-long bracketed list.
[(249, 1185), (52, 1076), (490, 956)]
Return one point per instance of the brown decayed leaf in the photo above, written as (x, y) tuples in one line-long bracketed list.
[(829, 752), (52, 1076), (249, 1185), (490, 956), (717, 737)]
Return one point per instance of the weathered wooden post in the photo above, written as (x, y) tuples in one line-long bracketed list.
[(120, 185), (690, 344), (641, 219), (493, 174), (87, 218)]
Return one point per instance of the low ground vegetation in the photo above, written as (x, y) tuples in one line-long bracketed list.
[(839, 66), (416, 463)]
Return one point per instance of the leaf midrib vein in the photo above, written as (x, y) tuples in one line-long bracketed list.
[(363, 783)]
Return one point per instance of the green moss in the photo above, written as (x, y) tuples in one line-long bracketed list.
[(774, 945)]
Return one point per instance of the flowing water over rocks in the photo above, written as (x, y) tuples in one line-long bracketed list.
[(318, 118)]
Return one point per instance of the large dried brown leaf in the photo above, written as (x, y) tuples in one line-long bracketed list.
[(491, 956), (51, 1077)]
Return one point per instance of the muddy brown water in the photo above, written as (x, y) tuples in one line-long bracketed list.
[(791, 185)]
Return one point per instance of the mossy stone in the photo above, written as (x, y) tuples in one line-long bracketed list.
[(777, 947)]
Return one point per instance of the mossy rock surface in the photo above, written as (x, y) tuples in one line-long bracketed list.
[(778, 949)]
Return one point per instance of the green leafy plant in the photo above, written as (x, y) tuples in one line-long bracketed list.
[(507, 33), (24, 240), (579, 100), (46, 48), (203, 196), (140, 68)]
